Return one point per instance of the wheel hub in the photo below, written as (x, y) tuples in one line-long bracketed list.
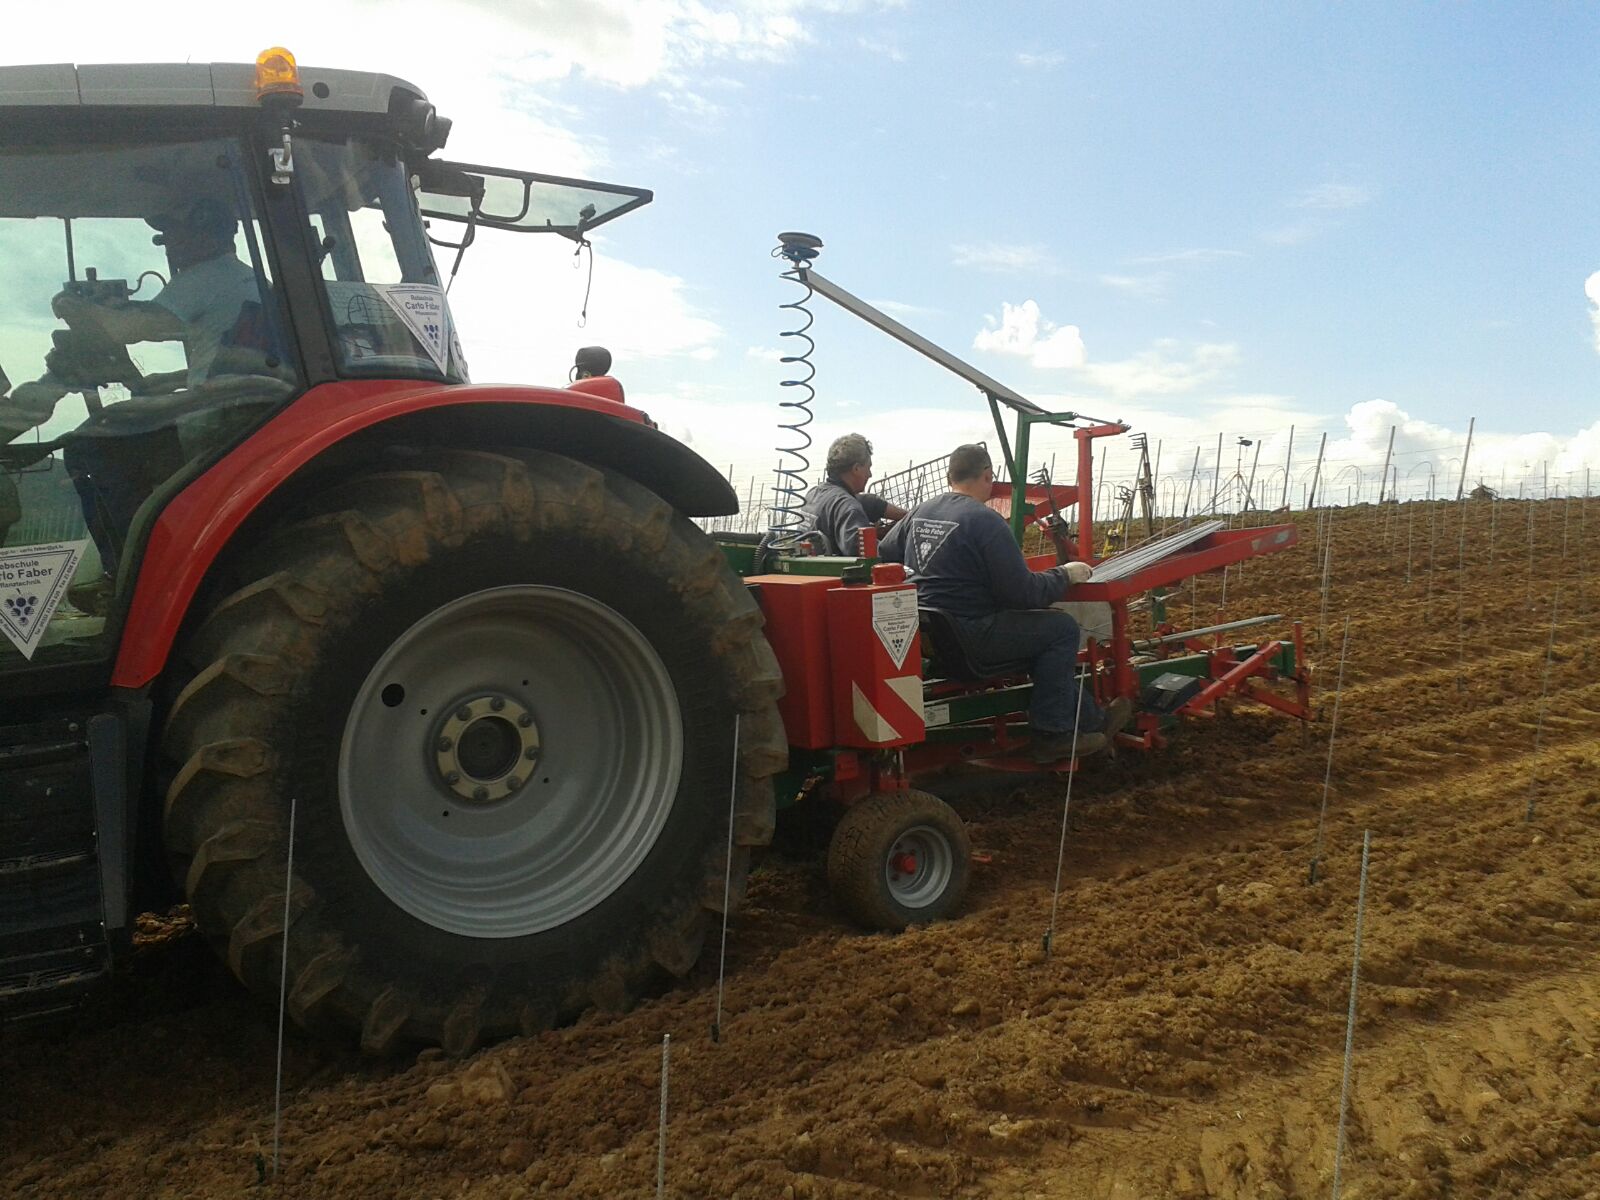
[(486, 748), (478, 817)]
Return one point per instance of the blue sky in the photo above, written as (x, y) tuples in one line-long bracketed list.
[(1202, 218)]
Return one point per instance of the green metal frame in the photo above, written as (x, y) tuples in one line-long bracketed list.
[(1017, 460)]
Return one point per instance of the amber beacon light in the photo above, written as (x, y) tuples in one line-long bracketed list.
[(277, 74)]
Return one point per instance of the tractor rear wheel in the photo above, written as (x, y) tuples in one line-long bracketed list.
[(898, 859), (500, 695)]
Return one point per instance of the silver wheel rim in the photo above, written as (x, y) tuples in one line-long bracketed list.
[(587, 711), (919, 867)]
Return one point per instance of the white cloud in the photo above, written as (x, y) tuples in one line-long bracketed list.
[(1423, 447), (1045, 61), (1321, 204), (1142, 287), (1591, 289), (1193, 257), (640, 314), (1163, 370), (1293, 235), (905, 312), (1021, 330), (1332, 196), (479, 56), (1003, 257), (880, 48)]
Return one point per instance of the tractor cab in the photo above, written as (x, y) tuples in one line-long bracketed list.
[(188, 249)]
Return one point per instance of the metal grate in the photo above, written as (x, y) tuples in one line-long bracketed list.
[(922, 481)]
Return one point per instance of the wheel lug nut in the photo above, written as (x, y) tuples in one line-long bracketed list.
[(445, 744), (453, 778), (463, 713), (497, 704), (532, 752), (481, 793), (513, 783), (525, 720)]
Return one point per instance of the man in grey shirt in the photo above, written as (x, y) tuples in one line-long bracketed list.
[(839, 509), (962, 557)]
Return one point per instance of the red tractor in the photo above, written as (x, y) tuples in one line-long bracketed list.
[(273, 568)]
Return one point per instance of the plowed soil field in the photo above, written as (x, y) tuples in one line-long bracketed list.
[(1183, 1039)]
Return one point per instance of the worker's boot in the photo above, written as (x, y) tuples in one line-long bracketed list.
[(1118, 713), (1053, 747)]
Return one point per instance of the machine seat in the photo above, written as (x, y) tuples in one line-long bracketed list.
[(947, 652)]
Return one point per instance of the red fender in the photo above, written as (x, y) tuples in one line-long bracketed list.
[(197, 524)]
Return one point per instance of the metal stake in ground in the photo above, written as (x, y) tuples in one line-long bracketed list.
[(1411, 522), (727, 883), (1461, 600), (1333, 732), (283, 993), (1583, 508), (1530, 555), (1350, 1018), (1327, 574), (1433, 531), (1066, 809), (1544, 692), (1494, 516), (661, 1135)]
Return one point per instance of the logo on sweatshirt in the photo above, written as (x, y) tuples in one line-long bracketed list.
[(927, 536)]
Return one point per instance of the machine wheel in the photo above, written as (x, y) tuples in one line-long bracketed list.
[(899, 858), (501, 692)]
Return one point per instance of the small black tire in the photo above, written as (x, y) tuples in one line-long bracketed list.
[(899, 859)]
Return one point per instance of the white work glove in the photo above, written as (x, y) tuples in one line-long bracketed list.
[(1079, 572)]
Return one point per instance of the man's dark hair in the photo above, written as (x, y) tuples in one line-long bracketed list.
[(968, 462)]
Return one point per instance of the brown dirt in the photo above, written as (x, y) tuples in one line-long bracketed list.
[(1184, 1039)]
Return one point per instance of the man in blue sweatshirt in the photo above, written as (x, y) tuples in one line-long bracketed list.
[(961, 555), (840, 508)]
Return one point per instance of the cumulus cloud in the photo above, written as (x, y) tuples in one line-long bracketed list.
[(1166, 369), (638, 312), (478, 53), (1022, 331), (1591, 289), (1423, 448)]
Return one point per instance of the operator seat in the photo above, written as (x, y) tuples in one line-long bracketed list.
[(947, 653), (941, 641)]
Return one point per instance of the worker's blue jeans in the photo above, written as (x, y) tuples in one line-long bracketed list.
[(1044, 642)]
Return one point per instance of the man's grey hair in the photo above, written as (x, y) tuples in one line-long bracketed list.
[(846, 452)]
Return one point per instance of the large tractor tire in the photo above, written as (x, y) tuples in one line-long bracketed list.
[(501, 695)]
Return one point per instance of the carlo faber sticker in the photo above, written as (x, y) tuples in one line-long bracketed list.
[(894, 620), (33, 579), (422, 307)]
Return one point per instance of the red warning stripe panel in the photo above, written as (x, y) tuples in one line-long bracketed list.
[(875, 655)]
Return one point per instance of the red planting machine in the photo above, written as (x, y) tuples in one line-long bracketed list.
[(879, 694)]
